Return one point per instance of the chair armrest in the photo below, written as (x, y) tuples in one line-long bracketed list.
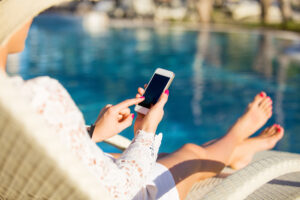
[(117, 141), (245, 181)]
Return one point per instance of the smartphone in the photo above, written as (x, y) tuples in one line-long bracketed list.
[(160, 81)]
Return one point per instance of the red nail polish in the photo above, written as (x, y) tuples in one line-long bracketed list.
[(261, 94), (142, 97), (167, 92), (132, 116)]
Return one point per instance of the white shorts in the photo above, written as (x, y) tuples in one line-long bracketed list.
[(160, 186)]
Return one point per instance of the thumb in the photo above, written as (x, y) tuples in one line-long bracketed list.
[(127, 122)]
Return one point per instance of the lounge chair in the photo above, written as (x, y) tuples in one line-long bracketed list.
[(33, 165)]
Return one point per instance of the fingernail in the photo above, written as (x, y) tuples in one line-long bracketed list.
[(132, 116), (142, 97), (261, 94), (167, 92)]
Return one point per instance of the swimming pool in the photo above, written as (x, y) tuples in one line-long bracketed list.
[(217, 74)]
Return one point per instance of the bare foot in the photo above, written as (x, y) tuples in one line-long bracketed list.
[(242, 155), (256, 115)]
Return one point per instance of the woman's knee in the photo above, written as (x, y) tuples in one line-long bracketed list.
[(194, 149)]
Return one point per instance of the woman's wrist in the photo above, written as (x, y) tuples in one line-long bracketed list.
[(145, 131), (99, 134)]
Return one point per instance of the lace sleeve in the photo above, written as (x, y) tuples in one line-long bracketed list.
[(122, 177), (130, 172)]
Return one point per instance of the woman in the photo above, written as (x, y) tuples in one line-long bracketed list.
[(136, 173)]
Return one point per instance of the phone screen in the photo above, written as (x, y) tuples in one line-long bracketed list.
[(154, 90)]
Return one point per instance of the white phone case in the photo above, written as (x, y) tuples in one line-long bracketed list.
[(160, 71)]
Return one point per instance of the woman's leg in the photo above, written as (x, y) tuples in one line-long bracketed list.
[(187, 172), (192, 163)]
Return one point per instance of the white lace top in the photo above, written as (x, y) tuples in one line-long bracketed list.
[(122, 177)]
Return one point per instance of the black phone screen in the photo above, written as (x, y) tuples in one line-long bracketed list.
[(154, 90)]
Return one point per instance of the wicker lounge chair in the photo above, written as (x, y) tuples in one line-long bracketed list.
[(33, 165)]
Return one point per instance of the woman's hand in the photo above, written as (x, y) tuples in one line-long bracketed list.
[(114, 119), (150, 121)]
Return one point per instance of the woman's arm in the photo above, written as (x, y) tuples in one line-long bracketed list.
[(137, 161)]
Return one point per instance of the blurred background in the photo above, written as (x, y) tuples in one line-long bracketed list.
[(281, 14), (223, 53)]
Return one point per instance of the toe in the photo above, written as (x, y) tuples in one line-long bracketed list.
[(279, 132), (265, 131), (268, 111), (266, 102), (273, 129), (259, 97), (274, 135), (269, 131)]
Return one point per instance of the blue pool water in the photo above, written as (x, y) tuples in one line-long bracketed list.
[(217, 74)]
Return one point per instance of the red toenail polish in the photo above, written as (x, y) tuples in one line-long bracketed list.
[(261, 94), (167, 92), (132, 116)]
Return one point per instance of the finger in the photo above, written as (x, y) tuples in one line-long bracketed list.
[(138, 96), (104, 109), (127, 103), (141, 91), (125, 111), (127, 121), (163, 99), (123, 114), (107, 106), (120, 117)]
